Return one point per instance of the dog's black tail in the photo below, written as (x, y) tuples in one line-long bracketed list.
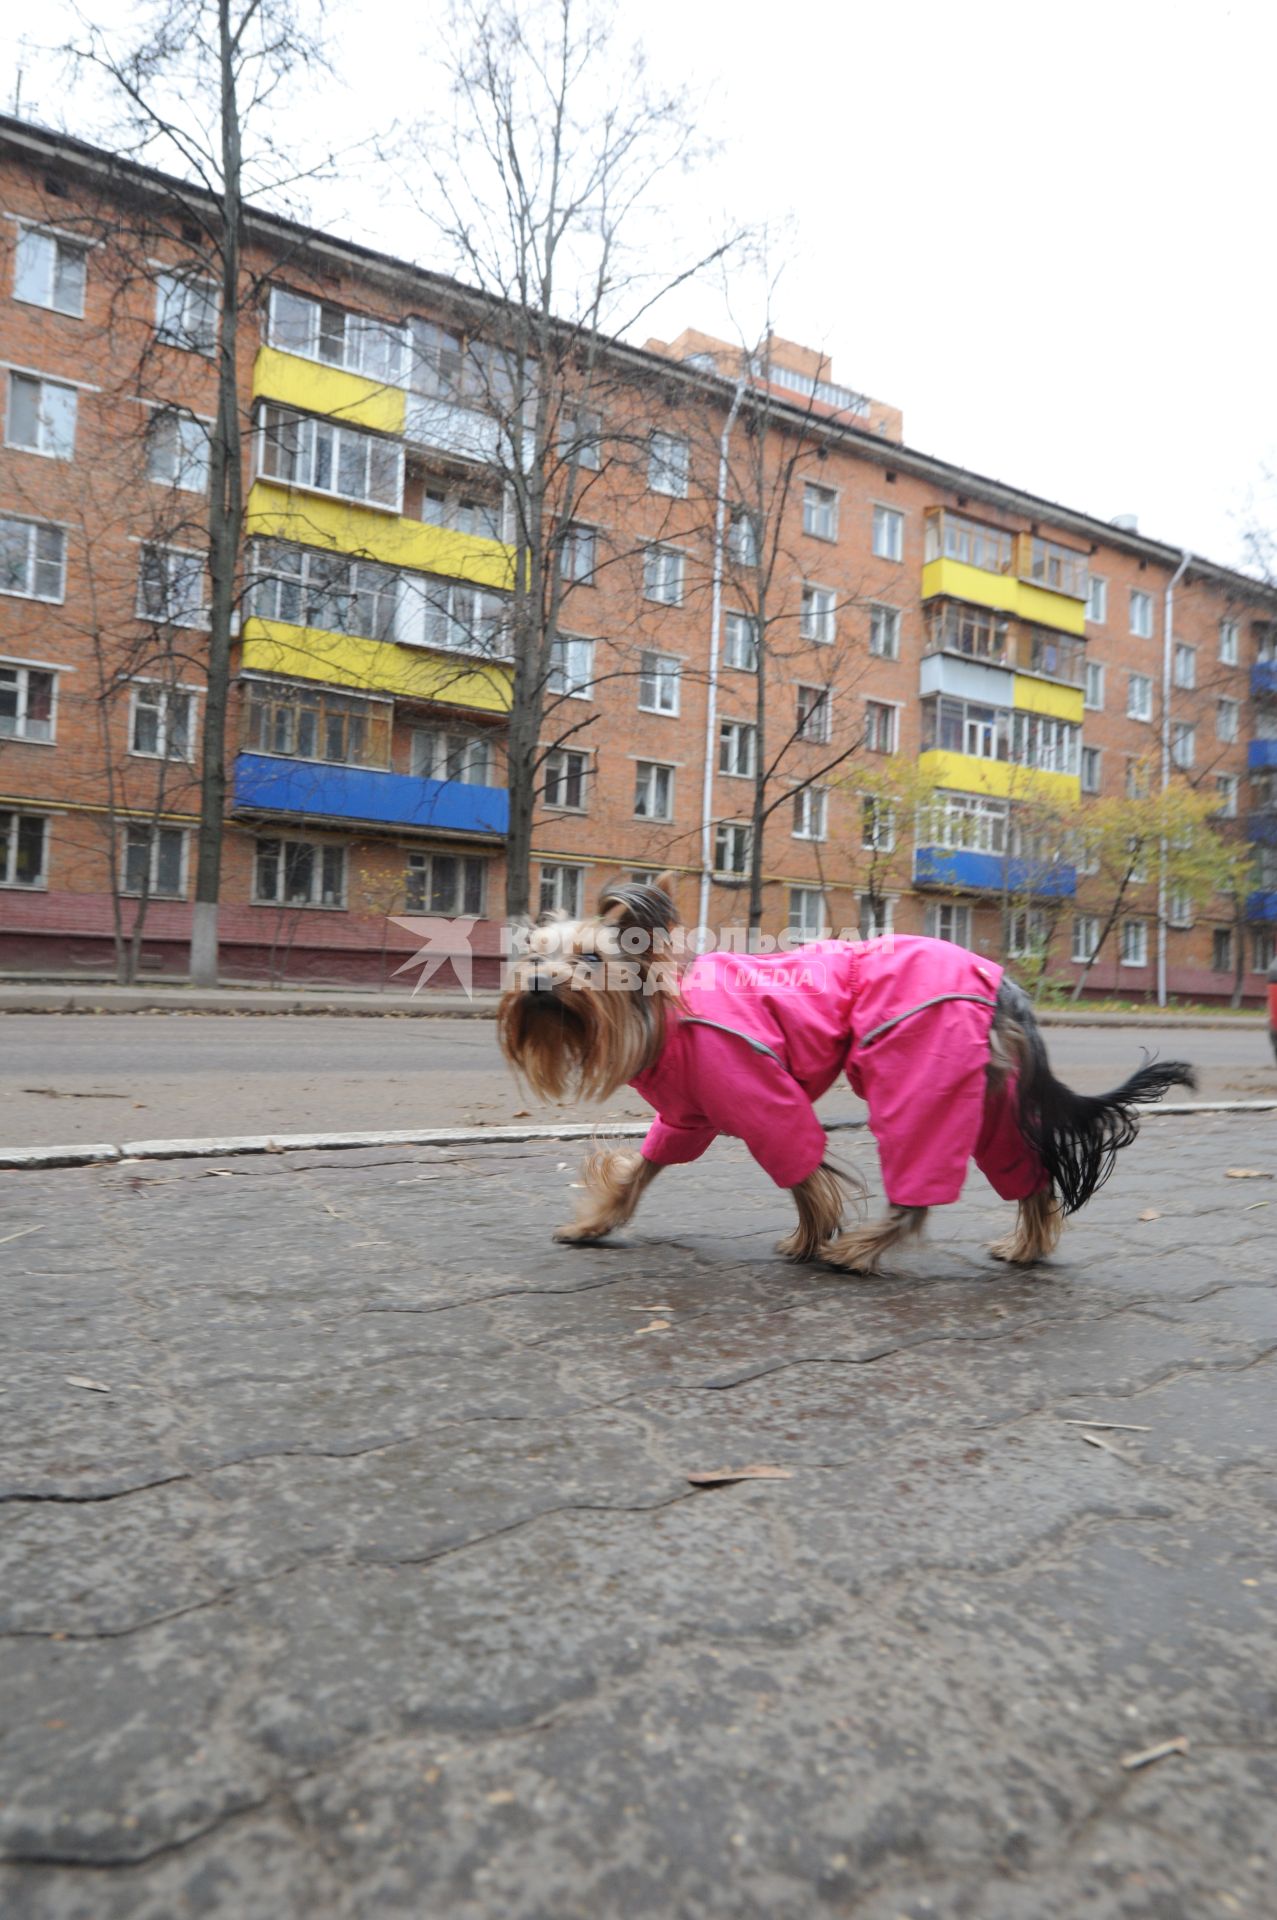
[(1078, 1136)]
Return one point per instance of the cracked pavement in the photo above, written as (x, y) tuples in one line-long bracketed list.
[(375, 1587)]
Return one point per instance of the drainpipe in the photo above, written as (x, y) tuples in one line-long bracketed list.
[(1168, 647), (715, 628)]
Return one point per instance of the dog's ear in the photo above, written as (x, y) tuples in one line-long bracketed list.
[(634, 903)]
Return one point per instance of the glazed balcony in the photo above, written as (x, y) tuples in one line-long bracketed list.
[(979, 634), (1263, 680)]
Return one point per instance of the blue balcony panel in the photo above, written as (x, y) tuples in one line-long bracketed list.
[(1261, 828), (1261, 756), (1262, 906), (1263, 679), (309, 789), (992, 873)]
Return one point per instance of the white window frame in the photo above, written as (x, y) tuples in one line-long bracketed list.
[(734, 836), (1179, 908), (195, 289), (358, 329), (877, 824), (579, 553), (22, 670), (888, 532), (1141, 613), (191, 438), (310, 428), (58, 243), (890, 708), (647, 785), (1184, 666), (581, 437), (556, 879), (153, 834), (9, 850), (159, 694), (804, 714), (875, 919), (180, 615), (458, 502), (737, 749), (1097, 600), (664, 670), (1142, 709), (1228, 719), (1183, 744), (740, 637), (742, 538), (34, 561), (1228, 787), (817, 614), (801, 901), (1090, 756), (45, 445), (1086, 936), (884, 631), (283, 569), (966, 823), (954, 914), (470, 866), (1133, 950), (1229, 643), (565, 766), (444, 753), (820, 511), (320, 848), (571, 675), (669, 460), (811, 814), (664, 574), (1093, 679), (1027, 932)]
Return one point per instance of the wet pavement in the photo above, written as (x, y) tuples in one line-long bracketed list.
[(374, 1584)]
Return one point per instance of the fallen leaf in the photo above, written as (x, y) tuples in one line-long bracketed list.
[(1149, 1213), (657, 1326), (1162, 1751), (82, 1380), (523, 1113), (723, 1476), (1245, 1173)]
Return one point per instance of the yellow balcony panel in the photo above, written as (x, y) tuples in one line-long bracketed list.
[(964, 773), (958, 581), (347, 397), (373, 666), (1032, 695), (313, 519)]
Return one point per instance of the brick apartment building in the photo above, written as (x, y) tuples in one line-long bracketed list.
[(998, 650)]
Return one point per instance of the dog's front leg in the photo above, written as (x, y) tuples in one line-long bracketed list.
[(613, 1180), (864, 1248)]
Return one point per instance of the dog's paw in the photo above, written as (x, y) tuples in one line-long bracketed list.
[(574, 1234)]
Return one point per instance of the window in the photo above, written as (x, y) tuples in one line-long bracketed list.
[(299, 451), (1086, 937), (1179, 908), (170, 587), (742, 539), (309, 723), (1090, 769), (1185, 666), (807, 912), (667, 464), (160, 722), (1226, 786), (1221, 950), (1097, 600), (740, 642), (580, 440), (23, 846), (320, 331), (1139, 779), (445, 883), (963, 726), (951, 537), (299, 873), (877, 825), (736, 747), (1262, 951), (449, 753), (1183, 744), (653, 791), (1229, 651), (1141, 614), (663, 576), (812, 721), (177, 450), (562, 889), (186, 313), (578, 552), (816, 614), (33, 559), (50, 271), (1039, 740), (41, 416), (946, 920), (477, 514), (658, 682), (1134, 943), (445, 366), (1226, 719), (811, 814), (27, 697), (1093, 697), (884, 632), (571, 667), (820, 511), (967, 822), (889, 533), (449, 614), (882, 727), (732, 849), (955, 627), (565, 780), (875, 917), (1027, 933), (155, 862), (1139, 697), (305, 587)]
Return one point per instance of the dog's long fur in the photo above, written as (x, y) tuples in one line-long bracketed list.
[(571, 1029)]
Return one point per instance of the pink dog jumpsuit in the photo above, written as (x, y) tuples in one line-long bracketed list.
[(907, 1018)]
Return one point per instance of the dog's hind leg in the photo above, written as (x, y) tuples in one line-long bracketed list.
[(614, 1179), (864, 1248), (1036, 1233), (819, 1200)]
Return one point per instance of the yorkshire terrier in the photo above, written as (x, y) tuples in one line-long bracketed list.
[(941, 1045)]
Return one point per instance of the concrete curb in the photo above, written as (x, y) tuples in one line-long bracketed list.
[(16, 1159)]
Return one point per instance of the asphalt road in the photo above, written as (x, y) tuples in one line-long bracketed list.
[(67, 1079)]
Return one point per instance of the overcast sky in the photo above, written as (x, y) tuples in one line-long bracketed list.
[(1041, 232)]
